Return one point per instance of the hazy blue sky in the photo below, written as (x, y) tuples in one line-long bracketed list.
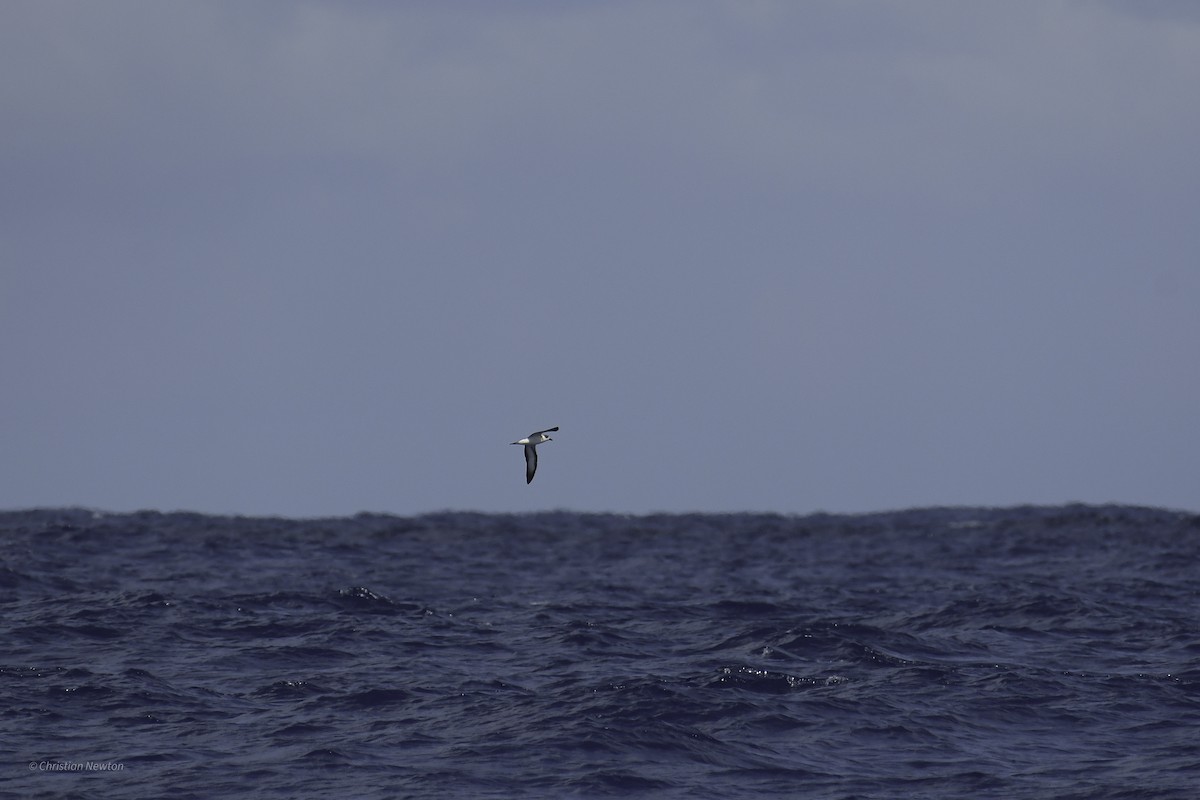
[(312, 258)]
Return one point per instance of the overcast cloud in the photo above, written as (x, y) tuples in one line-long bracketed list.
[(317, 258)]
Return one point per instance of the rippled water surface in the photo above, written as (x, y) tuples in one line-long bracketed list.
[(1002, 653)]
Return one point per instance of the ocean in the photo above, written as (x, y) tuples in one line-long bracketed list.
[(1032, 652)]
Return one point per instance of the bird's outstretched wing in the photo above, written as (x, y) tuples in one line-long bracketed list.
[(530, 462), (548, 430)]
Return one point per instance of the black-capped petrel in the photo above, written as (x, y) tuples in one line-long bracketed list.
[(531, 442)]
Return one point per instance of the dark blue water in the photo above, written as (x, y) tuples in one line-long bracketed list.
[(1012, 653)]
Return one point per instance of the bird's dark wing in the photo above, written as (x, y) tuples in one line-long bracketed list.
[(548, 430), (530, 462)]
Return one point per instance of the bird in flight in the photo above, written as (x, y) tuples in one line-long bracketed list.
[(531, 442)]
